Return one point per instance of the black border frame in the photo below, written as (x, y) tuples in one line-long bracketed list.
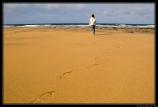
[(78, 1)]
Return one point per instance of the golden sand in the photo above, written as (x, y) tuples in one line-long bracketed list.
[(52, 65)]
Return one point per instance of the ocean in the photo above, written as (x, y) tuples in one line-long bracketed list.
[(103, 25)]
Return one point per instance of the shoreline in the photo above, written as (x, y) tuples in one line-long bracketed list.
[(129, 30)]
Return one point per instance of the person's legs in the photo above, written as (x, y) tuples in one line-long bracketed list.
[(93, 28)]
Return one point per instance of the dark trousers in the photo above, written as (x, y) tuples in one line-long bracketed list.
[(93, 28)]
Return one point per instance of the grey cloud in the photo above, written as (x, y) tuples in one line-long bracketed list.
[(43, 6), (55, 11), (128, 11)]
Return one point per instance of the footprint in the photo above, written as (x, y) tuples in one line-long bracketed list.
[(50, 93), (95, 63), (65, 73), (43, 97)]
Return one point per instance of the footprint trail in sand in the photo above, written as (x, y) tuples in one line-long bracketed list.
[(65, 73), (43, 97)]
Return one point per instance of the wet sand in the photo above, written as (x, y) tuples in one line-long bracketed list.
[(70, 65)]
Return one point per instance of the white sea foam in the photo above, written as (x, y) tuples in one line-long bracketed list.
[(84, 26), (30, 26)]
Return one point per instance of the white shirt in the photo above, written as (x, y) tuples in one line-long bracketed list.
[(92, 21)]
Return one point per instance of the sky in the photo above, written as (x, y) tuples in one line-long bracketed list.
[(33, 13)]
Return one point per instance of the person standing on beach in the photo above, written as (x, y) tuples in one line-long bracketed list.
[(92, 23)]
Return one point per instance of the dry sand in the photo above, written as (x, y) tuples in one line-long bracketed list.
[(52, 65)]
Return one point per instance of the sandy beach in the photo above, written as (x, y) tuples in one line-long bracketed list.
[(70, 65)]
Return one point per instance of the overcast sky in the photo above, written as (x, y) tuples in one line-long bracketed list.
[(24, 13)]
